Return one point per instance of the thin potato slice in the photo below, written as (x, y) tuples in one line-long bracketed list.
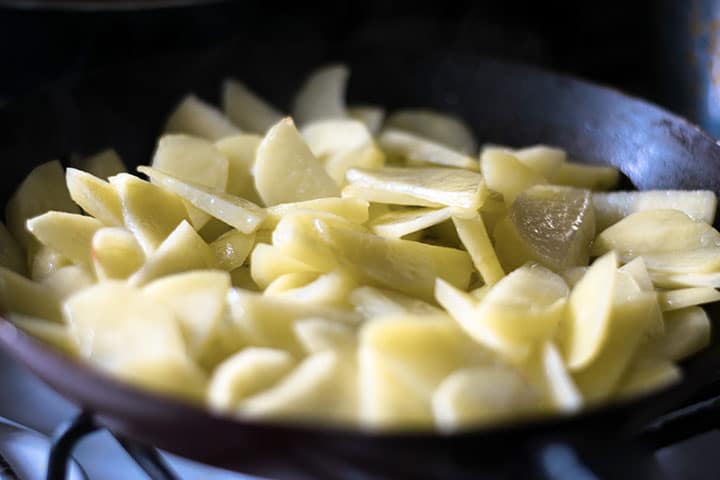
[(637, 269), (268, 263), (289, 281), (103, 164), (420, 151), (68, 280), (45, 261), (22, 296), (95, 196), (564, 394), (646, 375), (116, 253), (352, 209), (322, 95), (701, 260), (436, 126), (373, 302), (592, 177), (54, 334), (11, 254), (240, 152), (372, 116), (381, 197), (69, 234), (544, 159), (506, 174), (246, 109), (196, 117), (398, 223), (476, 241), (687, 331), (328, 289), (232, 248), (319, 335), (687, 297)]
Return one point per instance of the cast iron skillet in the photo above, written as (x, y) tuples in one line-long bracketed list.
[(510, 104)]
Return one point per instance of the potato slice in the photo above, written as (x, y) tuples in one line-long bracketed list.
[(398, 223), (421, 151), (482, 395), (612, 207), (322, 95), (95, 196), (445, 186), (672, 231), (182, 251), (68, 233), (198, 301), (687, 331), (682, 280), (319, 335), (174, 376), (45, 261), (476, 241), (246, 373), (115, 253), (103, 164), (42, 190), (381, 197), (328, 289), (372, 116), (352, 209), (561, 389), (506, 174), (290, 281), (22, 296), (637, 269), (373, 302), (11, 254), (646, 375), (235, 211), (232, 248), (240, 152), (54, 334), (68, 280), (196, 117), (287, 171), (592, 177), (543, 159), (150, 212), (700, 260), (246, 109), (687, 297), (436, 126), (268, 263)]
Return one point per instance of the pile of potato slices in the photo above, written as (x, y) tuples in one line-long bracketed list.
[(350, 268)]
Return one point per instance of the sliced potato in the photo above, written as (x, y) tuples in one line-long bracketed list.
[(45, 261), (421, 151), (373, 302), (290, 281), (11, 254), (351, 209), (545, 160), (398, 223), (103, 164), (372, 116), (328, 289), (506, 174), (647, 374), (381, 197), (54, 334), (196, 117), (564, 394), (69, 234), (116, 253), (437, 126), (247, 110), (592, 177), (95, 196), (476, 241), (320, 335), (169, 375), (687, 331), (22, 296), (232, 248), (637, 269), (268, 263), (322, 95), (687, 297), (67, 281), (700, 260), (682, 280)]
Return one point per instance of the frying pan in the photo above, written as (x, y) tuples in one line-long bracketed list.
[(125, 106)]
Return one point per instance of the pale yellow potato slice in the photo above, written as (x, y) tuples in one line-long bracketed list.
[(182, 251), (587, 320), (700, 260), (573, 275), (544, 159), (647, 375), (116, 253), (328, 289), (445, 186), (672, 231), (398, 223), (563, 394), (196, 117), (319, 335), (611, 207), (381, 197), (240, 152), (198, 301), (250, 371), (234, 211), (372, 116), (475, 239), (246, 109), (421, 151), (22, 296), (42, 190), (687, 297), (592, 177), (11, 254), (352, 209), (506, 174), (480, 292), (68, 233), (398, 376), (175, 376), (436, 126), (637, 269), (483, 395), (268, 263), (682, 280), (150, 212), (232, 248), (687, 331), (322, 95), (45, 261), (68, 280), (95, 196), (373, 302), (290, 281), (103, 164), (57, 335)]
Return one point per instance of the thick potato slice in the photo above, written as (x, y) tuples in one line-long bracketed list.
[(612, 207), (646, 375), (42, 190), (232, 248), (436, 126), (445, 186), (240, 152), (373, 302), (372, 116), (198, 302), (475, 239), (55, 334), (687, 331), (268, 263), (592, 177), (687, 297), (421, 151), (398, 223), (320, 335), (11, 254), (22, 296), (95, 196), (116, 253), (68, 280), (352, 209), (182, 251), (69, 234), (234, 211), (672, 231), (322, 95), (247, 110), (150, 212), (196, 117), (250, 371), (287, 171), (506, 174), (103, 164)]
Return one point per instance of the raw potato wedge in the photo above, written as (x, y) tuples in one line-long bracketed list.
[(592, 177), (22, 296), (420, 151), (246, 109), (322, 95), (372, 116), (95, 196), (352, 209), (290, 281), (193, 116), (11, 254), (436, 126), (116, 254), (232, 248), (475, 239), (69, 234), (381, 197), (42, 190), (240, 153), (398, 223), (103, 165)]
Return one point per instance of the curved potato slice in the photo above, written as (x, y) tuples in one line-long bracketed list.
[(69, 234), (646, 375), (476, 241), (687, 297), (328, 289), (11, 254), (267, 263), (246, 109), (322, 95), (232, 248), (22, 296), (54, 334), (95, 196), (320, 335), (700, 260), (196, 117), (592, 177), (544, 159), (420, 151), (687, 331), (290, 281), (373, 302), (116, 253), (372, 116), (45, 261), (637, 269), (240, 152), (68, 280), (103, 164), (436, 126), (506, 174), (398, 223), (382, 197), (352, 209)]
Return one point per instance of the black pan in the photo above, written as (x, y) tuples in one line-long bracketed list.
[(510, 104)]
